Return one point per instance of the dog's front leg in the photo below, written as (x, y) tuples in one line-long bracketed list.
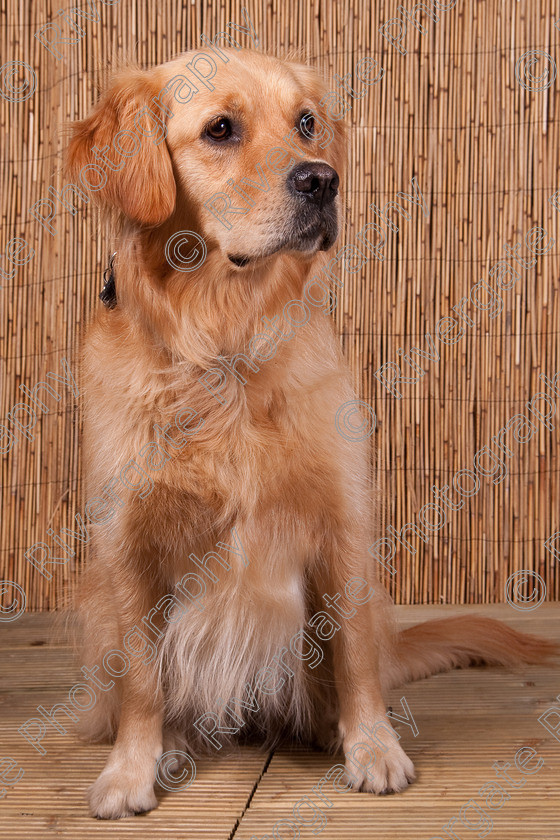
[(375, 761), (126, 784)]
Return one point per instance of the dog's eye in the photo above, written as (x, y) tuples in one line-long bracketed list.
[(307, 125), (219, 129)]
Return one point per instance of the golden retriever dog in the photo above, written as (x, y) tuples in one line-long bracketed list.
[(231, 517)]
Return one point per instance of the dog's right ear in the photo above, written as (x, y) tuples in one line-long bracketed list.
[(118, 152)]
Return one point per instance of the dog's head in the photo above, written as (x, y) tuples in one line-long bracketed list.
[(233, 145)]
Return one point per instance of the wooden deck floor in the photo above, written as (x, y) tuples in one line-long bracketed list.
[(467, 720)]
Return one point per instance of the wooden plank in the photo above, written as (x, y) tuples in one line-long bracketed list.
[(467, 720), (31, 630), (49, 800)]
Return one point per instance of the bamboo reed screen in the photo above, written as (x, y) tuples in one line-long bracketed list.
[(464, 108)]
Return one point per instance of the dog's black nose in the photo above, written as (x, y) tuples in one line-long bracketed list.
[(318, 182)]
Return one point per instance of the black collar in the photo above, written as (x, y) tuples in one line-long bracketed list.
[(109, 292)]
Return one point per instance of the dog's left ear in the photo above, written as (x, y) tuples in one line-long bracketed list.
[(118, 153)]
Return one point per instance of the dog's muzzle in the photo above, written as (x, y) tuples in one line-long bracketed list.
[(313, 187)]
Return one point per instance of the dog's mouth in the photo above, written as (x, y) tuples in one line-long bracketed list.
[(318, 237)]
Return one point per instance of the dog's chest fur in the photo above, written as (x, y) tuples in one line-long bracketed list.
[(213, 655), (262, 467)]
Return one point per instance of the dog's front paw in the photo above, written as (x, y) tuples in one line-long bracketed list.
[(379, 772), (121, 792)]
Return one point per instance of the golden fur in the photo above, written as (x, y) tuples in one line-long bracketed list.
[(268, 463)]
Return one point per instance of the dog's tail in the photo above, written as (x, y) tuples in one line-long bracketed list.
[(458, 642)]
